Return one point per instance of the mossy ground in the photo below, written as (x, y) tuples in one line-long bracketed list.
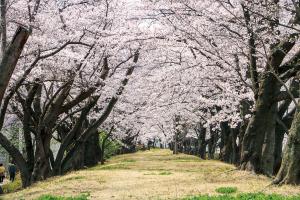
[(155, 174)]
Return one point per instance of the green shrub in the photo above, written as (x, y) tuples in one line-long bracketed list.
[(111, 147), (226, 190)]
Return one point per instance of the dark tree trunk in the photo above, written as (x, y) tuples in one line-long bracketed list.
[(283, 124), (11, 57), (74, 159), (235, 149), (171, 146), (279, 136), (229, 147), (3, 29), (28, 146), (202, 143), (42, 165), (281, 130), (289, 172), (245, 107), (86, 153), (175, 143), (257, 152), (225, 146), (92, 153), (212, 144)]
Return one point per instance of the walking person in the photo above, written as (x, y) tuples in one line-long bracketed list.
[(12, 169), (2, 172)]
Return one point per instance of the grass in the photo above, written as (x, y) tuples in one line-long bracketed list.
[(165, 173), (250, 196), (74, 178), (226, 190), (13, 186), (51, 197), (162, 173), (155, 174), (116, 166), (129, 160)]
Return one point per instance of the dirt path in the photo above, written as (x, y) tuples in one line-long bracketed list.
[(155, 174)]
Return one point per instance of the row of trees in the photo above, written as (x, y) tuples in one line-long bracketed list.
[(250, 48), (61, 76), (229, 68)]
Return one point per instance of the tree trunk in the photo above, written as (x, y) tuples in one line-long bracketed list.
[(92, 151), (283, 124), (235, 149), (28, 142), (257, 152), (74, 159), (202, 143), (279, 136), (212, 144), (171, 146), (3, 26), (11, 57), (229, 148), (175, 147), (42, 166), (245, 109), (225, 147), (289, 172), (7, 66)]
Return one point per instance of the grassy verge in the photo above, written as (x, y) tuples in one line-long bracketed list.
[(158, 174), (250, 196), (13, 186), (51, 197), (226, 190)]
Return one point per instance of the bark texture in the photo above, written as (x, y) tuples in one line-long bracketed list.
[(289, 172), (257, 153)]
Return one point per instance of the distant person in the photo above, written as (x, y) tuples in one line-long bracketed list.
[(2, 172), (12, 169), (1, 190)]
